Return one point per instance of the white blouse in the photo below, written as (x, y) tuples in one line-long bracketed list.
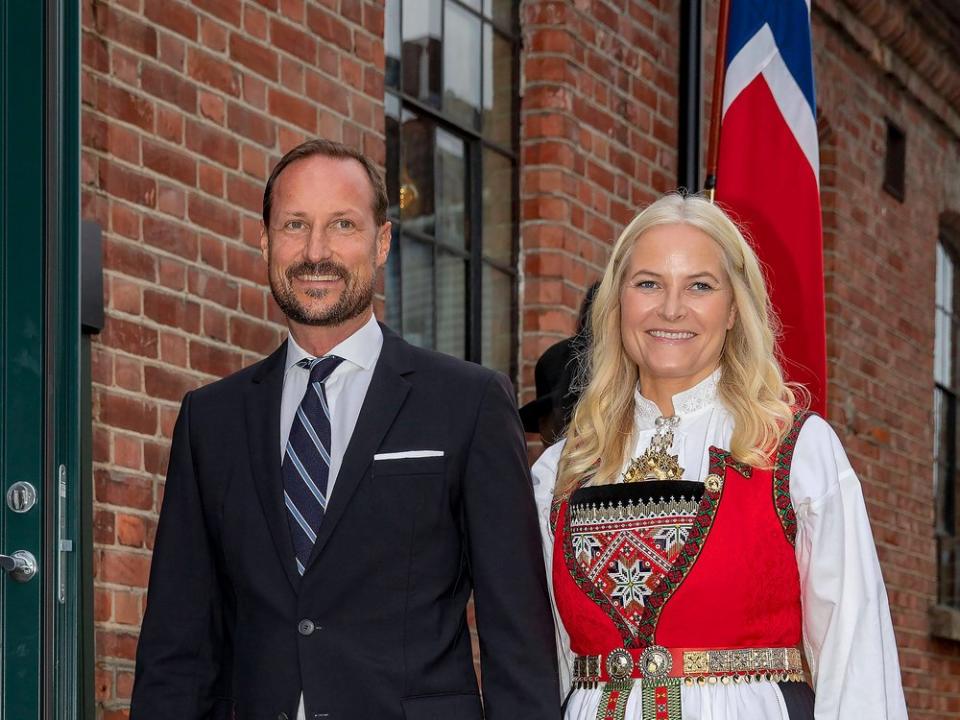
[(847, 632)]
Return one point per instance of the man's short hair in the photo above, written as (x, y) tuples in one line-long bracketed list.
[(331, 149)]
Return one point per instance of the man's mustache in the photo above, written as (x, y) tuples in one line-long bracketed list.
[(321, 268)]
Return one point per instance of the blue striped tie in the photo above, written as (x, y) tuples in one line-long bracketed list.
[(306, 462)]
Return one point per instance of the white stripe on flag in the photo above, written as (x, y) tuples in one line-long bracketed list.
[(761, 55)]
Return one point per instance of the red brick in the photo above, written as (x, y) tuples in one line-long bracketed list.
[(244, 193), (122, 182), (125, 29), (217, 288), (213, 144), (115, 644), (171, 237), (173, 15), (155, 455), (251, 125), (255, 22), (293, 109), (171, 200), (171, 310), (170, 125), (173, 349), (207, 69), (256, 336), (103, 527), (213, 360), (124, 221), (329, 27), (246, 264), (120, 104), (130, 337), (172, 51), (124, 568), (129, 491), (127, 452), (167, 161), (213, 35), (256, 57), (169, 86), (290, 39), (327, 94), (127, 412), (227, 10), (211, 180), (131, 532), (219, 218), (127, 373), (212, 107)]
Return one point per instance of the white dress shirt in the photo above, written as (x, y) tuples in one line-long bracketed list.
[(345, 388), (847, 632)]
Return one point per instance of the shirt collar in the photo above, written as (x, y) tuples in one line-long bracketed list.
[(703, 394), (361, 349)]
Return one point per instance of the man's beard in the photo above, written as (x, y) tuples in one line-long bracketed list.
[(356, 297)]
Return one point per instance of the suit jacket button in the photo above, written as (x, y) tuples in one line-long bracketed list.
[(306, 627)]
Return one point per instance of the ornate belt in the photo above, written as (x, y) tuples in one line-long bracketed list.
[(692, 665)]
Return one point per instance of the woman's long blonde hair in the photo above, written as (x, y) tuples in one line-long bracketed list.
[(751, 382)]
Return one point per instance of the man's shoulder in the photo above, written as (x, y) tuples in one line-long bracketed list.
[(434, 364)]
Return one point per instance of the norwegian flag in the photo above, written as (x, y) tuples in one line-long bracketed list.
[(768, 171)]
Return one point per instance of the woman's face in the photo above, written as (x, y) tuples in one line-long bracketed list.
[(676, 305)]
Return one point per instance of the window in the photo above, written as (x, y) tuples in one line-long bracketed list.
[(451, 128), (895, 162), (945, 427)]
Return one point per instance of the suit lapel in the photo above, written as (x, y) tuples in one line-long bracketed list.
[(262, 406), (388, 389)]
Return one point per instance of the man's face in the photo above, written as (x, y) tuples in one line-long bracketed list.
[(323, 246)]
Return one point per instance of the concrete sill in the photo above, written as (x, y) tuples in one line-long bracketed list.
[(945, 622)]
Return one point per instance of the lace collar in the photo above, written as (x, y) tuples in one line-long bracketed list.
[(700, 396)]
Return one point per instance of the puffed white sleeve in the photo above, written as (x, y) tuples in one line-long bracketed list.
[(544, 473), (847, 630)]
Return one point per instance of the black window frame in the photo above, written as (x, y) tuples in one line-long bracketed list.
[(946, 455), (475, 143)]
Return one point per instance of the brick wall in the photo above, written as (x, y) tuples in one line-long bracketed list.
[(880, 261), (598, 141), (184, 109)]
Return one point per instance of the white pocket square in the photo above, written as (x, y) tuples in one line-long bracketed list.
[(408, 454)]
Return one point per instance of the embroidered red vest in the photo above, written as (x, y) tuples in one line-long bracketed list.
[(733, 584)]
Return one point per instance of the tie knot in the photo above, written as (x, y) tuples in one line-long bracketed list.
[(321, 367)]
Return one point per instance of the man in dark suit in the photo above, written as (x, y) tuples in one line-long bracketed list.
[(329, 510)]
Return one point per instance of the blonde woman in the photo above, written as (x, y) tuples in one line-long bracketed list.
[(702, 532)]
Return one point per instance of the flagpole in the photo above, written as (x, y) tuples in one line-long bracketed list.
[(716, 106)]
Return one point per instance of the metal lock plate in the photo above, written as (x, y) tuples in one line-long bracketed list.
[(21, 497)]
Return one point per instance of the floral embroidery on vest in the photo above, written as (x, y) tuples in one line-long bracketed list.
[(781, 477)]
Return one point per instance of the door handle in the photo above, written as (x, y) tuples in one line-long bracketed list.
[(22, 565)]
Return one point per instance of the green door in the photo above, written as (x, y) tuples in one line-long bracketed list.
[(39, 359)]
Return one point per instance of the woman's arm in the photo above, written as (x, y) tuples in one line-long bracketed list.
[(848, 634)]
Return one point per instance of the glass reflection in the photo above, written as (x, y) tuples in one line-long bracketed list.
[(461, 66), (497, 87), (451, 304), (497, 319), (451, 174), (416, 267), (391, 43), (421, 56), (416, 181), (497, 207)]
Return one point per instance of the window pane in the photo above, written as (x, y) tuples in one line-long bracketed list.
[(461, 65), (497, 207), (499, 10), (420, 61), (451, 188), (391, 111), (451, 304), (497, 87), (416, 173), (416, 267), (391, 43), (497, 323), (392, 283)]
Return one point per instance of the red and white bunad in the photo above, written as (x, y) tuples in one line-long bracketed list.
[(694, 598)]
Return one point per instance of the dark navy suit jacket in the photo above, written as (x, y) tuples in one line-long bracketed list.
[(402, 545)]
